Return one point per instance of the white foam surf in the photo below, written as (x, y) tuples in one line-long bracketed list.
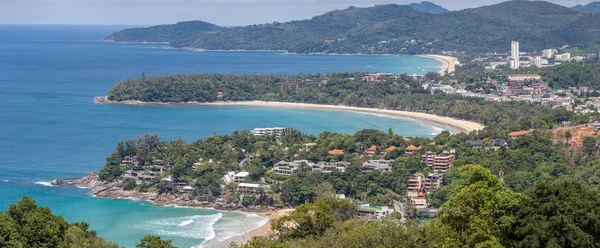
[(192, 227), (47, 184)]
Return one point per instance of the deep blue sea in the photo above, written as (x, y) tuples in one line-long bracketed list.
[(51, 129)]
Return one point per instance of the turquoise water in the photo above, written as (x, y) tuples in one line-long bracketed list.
[(51, 129)]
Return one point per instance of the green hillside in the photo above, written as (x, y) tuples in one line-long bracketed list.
[(400, 29), (163, 33)]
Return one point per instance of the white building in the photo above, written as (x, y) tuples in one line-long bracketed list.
[(381, 165), (241, 177), (563, 57), (537, 61), (252, 188), (288, 168), (548, 53), (327, 167), (278, 131), (514, 55)]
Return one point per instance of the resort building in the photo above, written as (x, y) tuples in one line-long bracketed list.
[(328, 167), (277, 131), (499, 143), (241, 177), (418, 199), (381, 165), (415, 183), (440, 162), (367, 210), (252, 188), (288, 168), (420, 182)]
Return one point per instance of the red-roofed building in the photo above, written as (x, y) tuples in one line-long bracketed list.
[(336, 152), (390, 149), (514, 135), (371, 150), (411, 149)]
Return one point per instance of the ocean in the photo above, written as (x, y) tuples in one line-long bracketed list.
[(51, 129)]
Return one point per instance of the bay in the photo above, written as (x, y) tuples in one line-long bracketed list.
[(51, 129)]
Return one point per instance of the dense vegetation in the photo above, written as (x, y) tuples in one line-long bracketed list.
[(400, 29), (482, 213), (163, 33), (400, 94), (25, 224)]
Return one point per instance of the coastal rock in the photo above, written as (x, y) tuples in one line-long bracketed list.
[(114, 190)]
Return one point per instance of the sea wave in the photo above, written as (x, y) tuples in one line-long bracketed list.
[(192, 227), (47, 184), (437, 130)]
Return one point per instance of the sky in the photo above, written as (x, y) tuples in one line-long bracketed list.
[(220, 12)]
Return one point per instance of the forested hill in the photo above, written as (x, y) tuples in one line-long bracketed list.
[(163, 33), (347, 89), (398, 29), (590, 8), (428, 7)]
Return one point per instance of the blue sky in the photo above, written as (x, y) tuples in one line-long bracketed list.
[(221, 12)]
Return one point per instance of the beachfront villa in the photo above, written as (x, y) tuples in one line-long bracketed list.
[(252, 188)]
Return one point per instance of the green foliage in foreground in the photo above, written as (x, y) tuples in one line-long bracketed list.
[(482, 213), (26, 225), (334, 89)]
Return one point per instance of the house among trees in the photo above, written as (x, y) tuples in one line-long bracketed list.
[(381, 165), (389, 149), (476, 144), (328, 167), (499, 143), (411, 149), (371, 150), (369, 211), (288, 168), (241, 177), (336, 152), (130, 160)]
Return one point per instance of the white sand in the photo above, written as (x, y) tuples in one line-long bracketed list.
[(451, 62), (462, 125)]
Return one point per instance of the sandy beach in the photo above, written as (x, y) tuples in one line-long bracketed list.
[(451, 62), (461, 125), (245, 237)]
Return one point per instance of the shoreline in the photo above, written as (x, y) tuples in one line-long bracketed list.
[(113, 190), (450, 62), (459, 125), (242, 238)]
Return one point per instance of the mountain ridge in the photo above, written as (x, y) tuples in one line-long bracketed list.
[(401, 29)]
